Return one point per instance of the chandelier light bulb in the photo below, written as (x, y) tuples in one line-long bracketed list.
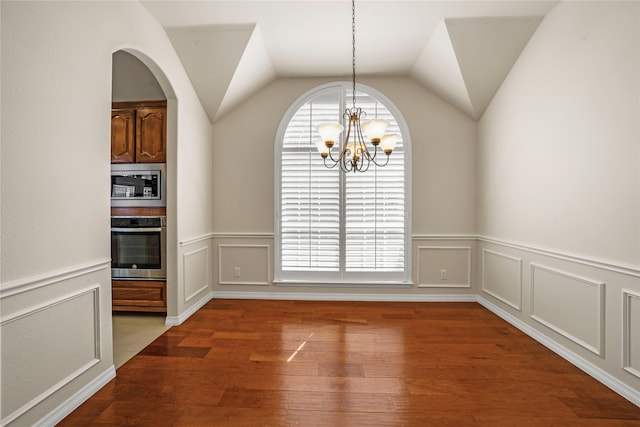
[(329, 133), (354, 150), (322, 149), (375, 129), (388, 143)]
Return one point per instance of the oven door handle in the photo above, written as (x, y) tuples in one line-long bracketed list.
[(138, 230)]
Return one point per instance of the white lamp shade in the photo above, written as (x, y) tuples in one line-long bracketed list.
[(329, 131), (375, 128), (388, 142), (322, 148)]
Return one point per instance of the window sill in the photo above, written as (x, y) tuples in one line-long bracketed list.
[(345, 284)]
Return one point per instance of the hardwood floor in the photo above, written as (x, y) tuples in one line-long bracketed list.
[(302, 363)]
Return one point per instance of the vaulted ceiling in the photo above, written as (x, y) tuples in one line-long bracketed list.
[(460, 50)]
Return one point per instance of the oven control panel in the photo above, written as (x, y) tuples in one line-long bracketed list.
[(137, 221)]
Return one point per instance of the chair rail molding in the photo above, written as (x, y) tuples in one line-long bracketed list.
[(31, 283)]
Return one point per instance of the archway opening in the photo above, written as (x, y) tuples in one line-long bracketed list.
[(136, 78)]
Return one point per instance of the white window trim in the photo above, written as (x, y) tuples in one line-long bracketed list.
[(364, 279)]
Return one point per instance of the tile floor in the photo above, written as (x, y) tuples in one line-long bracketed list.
[(133, 332)]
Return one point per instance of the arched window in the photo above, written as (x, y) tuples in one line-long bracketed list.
[(332, 226)]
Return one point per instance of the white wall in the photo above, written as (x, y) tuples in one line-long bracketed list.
[(55, 291), (559, 190)]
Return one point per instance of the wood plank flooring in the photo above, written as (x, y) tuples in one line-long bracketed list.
[(303, 363)]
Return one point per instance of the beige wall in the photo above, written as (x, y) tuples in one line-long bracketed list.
[(559, 148), (559, 190), (55, 290), (443, 162), (132, 80)]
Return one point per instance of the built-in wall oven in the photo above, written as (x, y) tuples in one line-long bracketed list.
[(138, 247)]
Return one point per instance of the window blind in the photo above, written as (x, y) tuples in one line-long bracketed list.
[(374, 205), (310, 194), (339, 222)]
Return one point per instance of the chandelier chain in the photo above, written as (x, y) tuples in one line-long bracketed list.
[(353, 49), (355, 155)]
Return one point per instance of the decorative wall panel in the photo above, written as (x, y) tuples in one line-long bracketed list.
[(631, 332), (553, 291), (241, 264), (443, 267), (502, 277), (196, 272), (51, 344)]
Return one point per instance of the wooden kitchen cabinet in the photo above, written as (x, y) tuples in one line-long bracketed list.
[(123, 133), (139, 295), (139, 132), (151, 139)]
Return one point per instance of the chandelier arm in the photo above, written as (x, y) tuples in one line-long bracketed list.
[(346, 166), (332, 165), (375, 152), (365, 152), (383, 164), (363, 168), (332, 159), (347, 116)]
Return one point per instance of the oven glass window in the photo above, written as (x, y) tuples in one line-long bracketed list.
[(136, 250)]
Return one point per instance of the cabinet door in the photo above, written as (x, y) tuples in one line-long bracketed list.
[(151, 138), (133, 295), (123, 135)]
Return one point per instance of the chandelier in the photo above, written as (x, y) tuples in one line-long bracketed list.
[(355, 155)]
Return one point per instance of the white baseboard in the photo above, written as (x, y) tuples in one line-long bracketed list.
[(177, 320), (337, 296), (57, 415), (613, 383)]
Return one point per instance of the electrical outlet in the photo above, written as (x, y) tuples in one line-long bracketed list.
[(443, 274), (236, 271)]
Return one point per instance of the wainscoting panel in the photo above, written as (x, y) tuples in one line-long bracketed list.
[(502, 277), (552, 291), (631, 328), (244, 264), (52, 344), (443, 267), (196, 272)]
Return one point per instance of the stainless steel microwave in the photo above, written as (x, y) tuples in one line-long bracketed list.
[(138, 184)]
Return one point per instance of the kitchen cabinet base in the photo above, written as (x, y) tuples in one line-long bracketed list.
[(139, 295)]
